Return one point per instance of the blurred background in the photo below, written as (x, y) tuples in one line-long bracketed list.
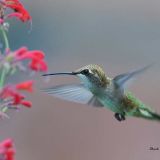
[(120, 36)]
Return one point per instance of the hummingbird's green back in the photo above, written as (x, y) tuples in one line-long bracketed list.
[(135, 107)]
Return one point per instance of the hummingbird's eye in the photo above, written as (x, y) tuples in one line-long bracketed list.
[(85, 71)]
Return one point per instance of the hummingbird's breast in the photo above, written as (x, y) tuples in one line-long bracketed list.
[(108, 97), (125, 103)]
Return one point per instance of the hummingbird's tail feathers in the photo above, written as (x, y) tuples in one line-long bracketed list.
[(148, 114), (155, 116)]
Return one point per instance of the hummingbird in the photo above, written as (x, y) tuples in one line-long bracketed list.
[(99, 90)]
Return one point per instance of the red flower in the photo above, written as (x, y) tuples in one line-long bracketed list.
[(27, 85), (38, 65), (7, 151), (26, 103), (21, 51), (7, 143), (37, 58), (19, 11), (16, 97)]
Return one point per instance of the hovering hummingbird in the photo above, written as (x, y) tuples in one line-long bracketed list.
[(98, 90)]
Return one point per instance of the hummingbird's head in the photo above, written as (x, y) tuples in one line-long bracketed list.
[(91, 75)]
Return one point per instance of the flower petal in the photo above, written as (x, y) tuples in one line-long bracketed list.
[(27, 85), (26, 104)]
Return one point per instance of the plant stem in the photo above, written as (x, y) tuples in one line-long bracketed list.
[(5, 38), (2, 77)]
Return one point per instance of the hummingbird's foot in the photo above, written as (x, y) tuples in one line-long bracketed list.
[(120, 117)]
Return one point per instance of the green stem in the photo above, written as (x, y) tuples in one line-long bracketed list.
[(2, 78), (4, 34)]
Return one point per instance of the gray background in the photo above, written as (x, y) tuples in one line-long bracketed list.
[(119, 35)]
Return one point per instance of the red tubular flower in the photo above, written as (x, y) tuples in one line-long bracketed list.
[(16, 97), (21, 51), (7, 151), (37, 58), (26, 103), (38, 65), (7, 143), (9, 92), (19, 11), (27, 85)]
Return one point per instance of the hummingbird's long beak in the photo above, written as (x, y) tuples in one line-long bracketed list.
[(61, 73)]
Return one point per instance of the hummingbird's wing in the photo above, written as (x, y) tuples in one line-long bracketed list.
[(121, 81), (95, 102), (73, 92)]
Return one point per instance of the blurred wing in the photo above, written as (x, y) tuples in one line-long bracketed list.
[(95, 102), (121, 81), (74, 92)]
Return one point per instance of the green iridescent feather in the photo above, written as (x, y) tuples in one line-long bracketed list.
[(139, 109)]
